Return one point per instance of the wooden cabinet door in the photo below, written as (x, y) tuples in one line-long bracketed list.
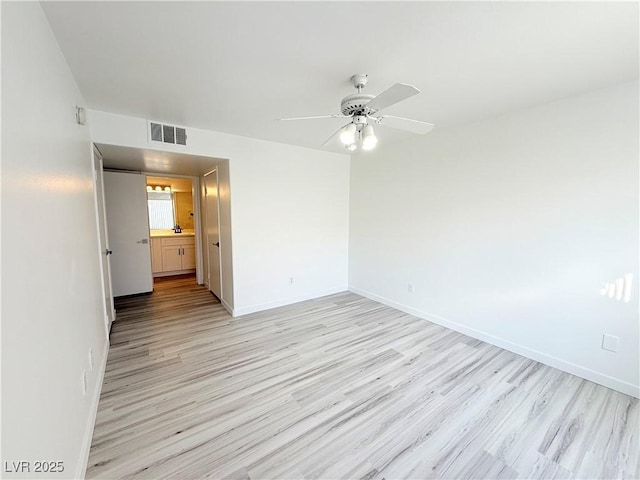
[(171, 258), (188, 256)]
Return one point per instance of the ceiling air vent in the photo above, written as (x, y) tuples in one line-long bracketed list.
[(167, 134), (181, 136), (156, 132)]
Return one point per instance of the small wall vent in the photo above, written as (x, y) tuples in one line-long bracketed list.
[(167, 133)]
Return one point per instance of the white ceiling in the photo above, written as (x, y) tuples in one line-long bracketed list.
[(154, 161), (238, 66)]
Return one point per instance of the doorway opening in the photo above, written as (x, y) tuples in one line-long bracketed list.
[(176, 208), (171, 226)]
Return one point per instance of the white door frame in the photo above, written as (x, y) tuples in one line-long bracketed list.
[(103, 245)]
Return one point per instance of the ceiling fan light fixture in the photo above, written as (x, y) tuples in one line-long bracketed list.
[(361, 109), (369, 139), (348, 134)]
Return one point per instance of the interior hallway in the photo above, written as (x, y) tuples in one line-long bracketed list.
[(339, 387)]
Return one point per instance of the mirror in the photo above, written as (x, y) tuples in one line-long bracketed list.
[(183, 209), (170, 203)]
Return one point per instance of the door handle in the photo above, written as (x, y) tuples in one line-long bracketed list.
[(144, 240), (217, 244), (108, 252)]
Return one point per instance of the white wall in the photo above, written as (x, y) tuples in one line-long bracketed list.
[(288, 213), (52, 301), (509, 228)]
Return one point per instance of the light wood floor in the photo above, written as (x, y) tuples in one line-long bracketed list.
[(340, 387)]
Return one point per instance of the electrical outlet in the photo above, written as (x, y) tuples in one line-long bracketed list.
[(84, 382), (610, 342), (290, 280), (410, 288), (91, 359)]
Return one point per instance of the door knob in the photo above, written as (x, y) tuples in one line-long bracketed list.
[(108, 252), (217, 244)]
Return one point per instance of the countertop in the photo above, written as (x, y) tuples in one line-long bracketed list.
[(170, 233)]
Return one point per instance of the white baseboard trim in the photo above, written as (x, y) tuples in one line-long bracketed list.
[(555, 362), (287, 301), (93, 412)]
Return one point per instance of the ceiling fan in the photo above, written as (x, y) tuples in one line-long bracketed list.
[(362, 110)]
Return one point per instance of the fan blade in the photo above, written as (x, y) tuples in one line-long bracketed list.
[(337, 115), (333, 135), (414, 126), (392, 95)]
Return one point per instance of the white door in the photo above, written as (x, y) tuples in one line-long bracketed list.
[(128, 222), (104, 239), (212, 232)]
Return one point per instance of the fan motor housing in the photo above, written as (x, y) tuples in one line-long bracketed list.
[(356, 104)]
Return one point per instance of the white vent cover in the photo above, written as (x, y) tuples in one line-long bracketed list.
[(159, 132)]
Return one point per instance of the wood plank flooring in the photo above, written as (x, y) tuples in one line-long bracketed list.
[(340, 387)]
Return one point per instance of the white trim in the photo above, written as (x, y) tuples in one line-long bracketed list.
[(228, 307), (81, 468), (564, 365), (286, 301)]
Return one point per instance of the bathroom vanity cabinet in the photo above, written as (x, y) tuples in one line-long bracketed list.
[(171, 255)]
